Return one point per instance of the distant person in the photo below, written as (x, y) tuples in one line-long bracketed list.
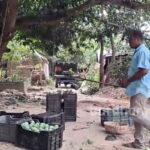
[(138, 88), (85, 73), (58, 69)]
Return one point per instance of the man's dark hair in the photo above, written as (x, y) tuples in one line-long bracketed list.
[(137, 34)]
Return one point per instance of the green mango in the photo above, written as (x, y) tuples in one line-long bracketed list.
[(34, 129), (50, 129), (42, 129), (32, 123), (37, 125), (46, 129), (56, 126), (25, 126), (46, 126), (42, 125), (90, 141)]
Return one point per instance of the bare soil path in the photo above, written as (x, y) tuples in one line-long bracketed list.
[(87, 126)]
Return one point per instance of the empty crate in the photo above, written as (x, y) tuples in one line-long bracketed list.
[(67, 103), (117, 115), (53, 102), (8, 127), (70, 107)]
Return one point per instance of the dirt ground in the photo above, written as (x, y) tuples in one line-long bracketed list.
[(87, 125)]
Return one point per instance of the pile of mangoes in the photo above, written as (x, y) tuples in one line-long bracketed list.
[(38, 127)]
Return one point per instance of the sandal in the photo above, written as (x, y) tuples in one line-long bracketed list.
[(132, 145)]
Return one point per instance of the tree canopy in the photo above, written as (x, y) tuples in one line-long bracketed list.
[(47, 23)]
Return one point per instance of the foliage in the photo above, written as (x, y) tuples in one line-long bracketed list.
[(69, 38), (51, 82), (14, 78), (18, 52), (41, 7), (88, 87), (119, 70), (81, 52)]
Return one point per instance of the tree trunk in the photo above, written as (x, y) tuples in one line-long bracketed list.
[(112, 59), (101, 64), (8, 29), (113, 48)]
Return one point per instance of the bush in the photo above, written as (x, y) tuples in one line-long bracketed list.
[(119, 71), (88, 87), (51, 82)]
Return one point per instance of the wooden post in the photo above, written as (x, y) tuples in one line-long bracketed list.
[(101, 62)]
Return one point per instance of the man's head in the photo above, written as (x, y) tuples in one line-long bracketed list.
[(136, 38)]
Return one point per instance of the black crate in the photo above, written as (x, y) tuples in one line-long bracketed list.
[(2, 113), (51, 118), (53, 103), (70, 107), (70, 100), (8, 127), (61, 137), (40, 141), (24, 114), (70, 118), (117, 115), (70, 114)]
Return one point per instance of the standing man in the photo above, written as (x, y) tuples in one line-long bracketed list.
[(138, 88)]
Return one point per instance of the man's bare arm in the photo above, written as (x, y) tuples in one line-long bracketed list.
[(139, 75)]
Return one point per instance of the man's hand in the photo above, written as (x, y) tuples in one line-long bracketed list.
[(125, 83), (138, 76)]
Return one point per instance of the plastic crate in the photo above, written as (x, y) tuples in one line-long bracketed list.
[(61, 137), (51, 118), (116, 115), (70, 100), (39, 141), (70, 114), (53, 103), (24, 114), (8, 127), (70, 107)]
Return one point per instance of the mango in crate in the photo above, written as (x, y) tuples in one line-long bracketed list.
[(32, 123), (25, 126), (37, 125), (42, 125), (56, 126), (34, 129)]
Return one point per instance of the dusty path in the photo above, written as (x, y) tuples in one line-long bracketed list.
[(87, 125)]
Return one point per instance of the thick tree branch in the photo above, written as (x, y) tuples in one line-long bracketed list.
[(9, 25), (129, 4), (52, 19)]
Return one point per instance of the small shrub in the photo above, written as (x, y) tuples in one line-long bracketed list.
[(119, 71), (88, 87), (51, 82)]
